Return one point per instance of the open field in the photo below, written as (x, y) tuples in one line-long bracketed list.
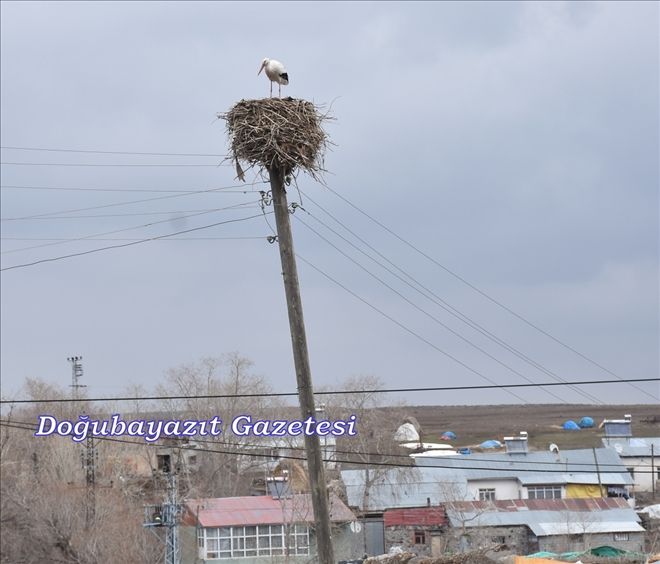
[(475, 424)]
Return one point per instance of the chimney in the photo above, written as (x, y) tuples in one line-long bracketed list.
[(516, 445)]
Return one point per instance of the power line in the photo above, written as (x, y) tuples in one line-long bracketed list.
[(119, 246), (434, 298), (151, 165), (482, 293), (334, 392), (128, 214), (110, 152), (124, 203), (134, 190), (407, 329), (150, 224), (511, 462), (429, 315), (247, 453), (129, 239)]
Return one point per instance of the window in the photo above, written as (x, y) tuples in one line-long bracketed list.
[(420, 537), (498, 539), (163, 463), (621, 536), (544, 492), (487, 494), (255, 540)]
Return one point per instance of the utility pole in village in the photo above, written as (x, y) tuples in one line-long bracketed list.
[(90, 454), (301, 362), (167, 514), (282, 136)]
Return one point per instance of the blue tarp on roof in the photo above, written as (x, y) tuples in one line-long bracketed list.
[(491, 444), (586, 423), (571, 425), (448, 436)]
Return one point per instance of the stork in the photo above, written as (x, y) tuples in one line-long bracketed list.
[(275, 72)]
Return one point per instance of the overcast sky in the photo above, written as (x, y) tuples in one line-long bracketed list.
[(515, 144)]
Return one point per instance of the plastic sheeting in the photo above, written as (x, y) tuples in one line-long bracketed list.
[(585, 491)]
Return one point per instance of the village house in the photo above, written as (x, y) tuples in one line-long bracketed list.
[(521, 474), (259, 529), (580, 473), (413, 528), (640, 456), (552, 525), (517, 474)]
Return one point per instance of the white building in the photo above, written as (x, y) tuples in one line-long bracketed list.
[(641, 456)]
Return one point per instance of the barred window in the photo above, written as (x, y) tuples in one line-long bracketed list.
[(254, 540), (544, 492)]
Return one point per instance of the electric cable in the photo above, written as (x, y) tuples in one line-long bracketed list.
[(437, 300), (119, 246), (484, 294), (329, 392)]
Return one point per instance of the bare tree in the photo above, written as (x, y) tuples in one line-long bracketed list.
[(224, 472), (43, 497)]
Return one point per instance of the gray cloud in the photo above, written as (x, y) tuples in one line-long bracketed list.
[(515, 142)]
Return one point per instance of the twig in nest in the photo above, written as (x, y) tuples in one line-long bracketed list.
[(278, 133)]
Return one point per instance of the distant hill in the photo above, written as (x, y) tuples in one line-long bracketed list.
[(475, 424)]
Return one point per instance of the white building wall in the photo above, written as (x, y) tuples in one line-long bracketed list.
[(504, 489), (643, 474)]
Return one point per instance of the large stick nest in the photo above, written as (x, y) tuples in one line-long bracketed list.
[(282, 133)]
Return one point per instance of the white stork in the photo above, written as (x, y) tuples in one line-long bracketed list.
[(275, 72)]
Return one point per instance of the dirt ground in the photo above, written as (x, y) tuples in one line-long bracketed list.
[(475, 424)]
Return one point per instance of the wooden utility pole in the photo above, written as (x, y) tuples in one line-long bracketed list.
[(301, 362), (600, 485)]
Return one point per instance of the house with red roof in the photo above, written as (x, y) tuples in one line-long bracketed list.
[(259, 529)]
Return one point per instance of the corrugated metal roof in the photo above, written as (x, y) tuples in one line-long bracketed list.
[(403, 487), (492, 466), (634, 447), (549, 529), (570, 504), (549, 516), (414, 487), (426, 516), (259, 510), (593, 479)]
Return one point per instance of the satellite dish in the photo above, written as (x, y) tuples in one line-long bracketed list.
[(618, 448), (554, 448)]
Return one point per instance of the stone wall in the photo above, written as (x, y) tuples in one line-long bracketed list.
[(576, 543), (512, 540), (404, 536)]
